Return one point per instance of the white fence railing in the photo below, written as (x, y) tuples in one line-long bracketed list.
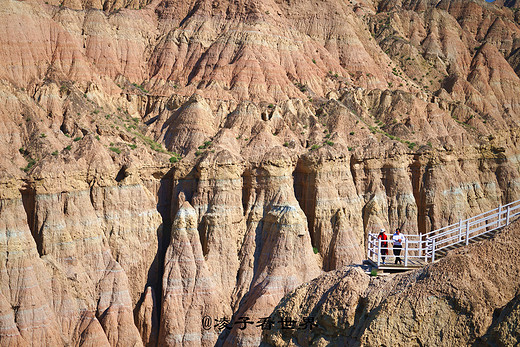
[(413, 248), (425, 247)]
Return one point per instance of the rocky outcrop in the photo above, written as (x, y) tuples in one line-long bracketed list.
[(276, 254), (242, 226), (26, 291), (325, 189), (504, 330), (147, 318), (55, 301), (189, 292), (83, 253)]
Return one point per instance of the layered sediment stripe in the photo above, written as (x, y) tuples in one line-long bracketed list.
[(26, 315)]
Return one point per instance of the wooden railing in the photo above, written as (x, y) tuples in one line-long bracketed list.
[(425, 248)]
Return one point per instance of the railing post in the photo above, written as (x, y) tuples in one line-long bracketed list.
[(467, 232), (499, 213), (369, 250), (460, 229), (405, 252), (420, 246), (433, 250), (426, 251), (507, 216), (378, 252)]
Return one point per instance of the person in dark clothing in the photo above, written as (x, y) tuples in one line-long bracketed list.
[(384, 244)]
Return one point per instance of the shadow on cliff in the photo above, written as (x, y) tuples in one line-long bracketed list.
[(156, 269), (29, 204), (503, 320)]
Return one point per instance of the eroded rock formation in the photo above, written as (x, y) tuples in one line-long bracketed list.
[(163, 161)]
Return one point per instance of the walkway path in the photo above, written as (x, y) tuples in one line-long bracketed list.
[(422, 249)]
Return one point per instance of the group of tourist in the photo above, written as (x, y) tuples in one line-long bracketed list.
[(397, 239)]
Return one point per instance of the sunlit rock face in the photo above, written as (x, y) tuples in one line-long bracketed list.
[(166, 165)]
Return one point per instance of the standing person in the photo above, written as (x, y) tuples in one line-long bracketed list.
[(398, 240), (384, 244)]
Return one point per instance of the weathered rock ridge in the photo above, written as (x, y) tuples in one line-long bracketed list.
[(163, 161)]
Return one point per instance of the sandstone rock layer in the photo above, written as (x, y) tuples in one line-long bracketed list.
[(164, 162)]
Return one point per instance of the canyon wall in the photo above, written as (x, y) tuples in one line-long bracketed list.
[(165, 162)]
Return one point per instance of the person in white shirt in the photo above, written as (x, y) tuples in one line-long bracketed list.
[(398, 240)]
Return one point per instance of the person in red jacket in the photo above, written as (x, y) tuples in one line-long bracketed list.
[(384, 244)]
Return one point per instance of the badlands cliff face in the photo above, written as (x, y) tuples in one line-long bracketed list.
[(163, 161)]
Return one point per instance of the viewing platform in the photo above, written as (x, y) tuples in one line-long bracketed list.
[(420, 250)]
